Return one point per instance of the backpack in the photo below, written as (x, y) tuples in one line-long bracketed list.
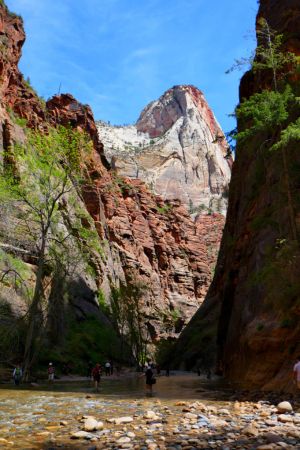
[(18, 372)]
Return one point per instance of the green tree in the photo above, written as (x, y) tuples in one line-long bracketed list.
[(271, 111), (270, 56), (36, 177)]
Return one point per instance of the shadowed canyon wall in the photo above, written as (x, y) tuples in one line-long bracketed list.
[(253, 304)]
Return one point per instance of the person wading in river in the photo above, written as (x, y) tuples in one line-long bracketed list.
[(17, 375), (296, 373), (51, 373), (150, 379), (107, 368), (96, 374)]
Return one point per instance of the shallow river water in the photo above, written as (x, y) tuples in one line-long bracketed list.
[(184, 413)]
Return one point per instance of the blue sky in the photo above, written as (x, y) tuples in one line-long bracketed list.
[(118, 55)]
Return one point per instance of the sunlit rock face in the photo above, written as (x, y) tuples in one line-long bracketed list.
[(172, 252), (177, 148)]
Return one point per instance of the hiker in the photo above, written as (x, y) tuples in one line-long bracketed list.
[(51, 372), (111, 368), (107, 368), (150, 378), (17, 375), (96, 374), (296, 373)]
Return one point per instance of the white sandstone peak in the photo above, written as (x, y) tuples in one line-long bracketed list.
[(177, 147)]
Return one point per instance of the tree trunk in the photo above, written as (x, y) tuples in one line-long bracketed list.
[(34, 314)]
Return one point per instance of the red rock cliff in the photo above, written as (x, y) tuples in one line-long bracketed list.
[(141, 235)]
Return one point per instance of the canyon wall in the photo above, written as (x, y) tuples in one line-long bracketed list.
[(253, 304), (139, 235)]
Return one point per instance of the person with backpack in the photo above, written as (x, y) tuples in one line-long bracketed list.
[(150, 378), (96, 374), (17, 375), (107, 368), (51, 372)]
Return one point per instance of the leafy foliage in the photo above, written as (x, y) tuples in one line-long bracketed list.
[(264, 111), (290, 134), (269, 54), (36, 178)]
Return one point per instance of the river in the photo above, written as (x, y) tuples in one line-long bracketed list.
[(185, 412)]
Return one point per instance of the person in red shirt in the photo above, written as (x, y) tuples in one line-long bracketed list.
[(96, 374), (51, 373)]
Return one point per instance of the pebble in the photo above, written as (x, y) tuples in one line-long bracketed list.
[(123, 440), (119, 420), (81, 435), (151, 415), (189, 425), (250, 430), (283, 407), (191, 416), (91, 424), (284, 418)]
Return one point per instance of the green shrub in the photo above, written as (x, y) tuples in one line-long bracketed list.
[(263, 112), (164, 209)]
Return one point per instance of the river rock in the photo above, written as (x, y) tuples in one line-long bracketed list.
[(272, 438), (6, 442), (224, 411), (151, 415), (266, 447), (131, 434), (212, 409), (250, 430), (81, 435), (191, 416), (119, 420), (152, 446), (283, 407), (284, 418), (124, 440), (91, 424), (218, 422), (43, 433)]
